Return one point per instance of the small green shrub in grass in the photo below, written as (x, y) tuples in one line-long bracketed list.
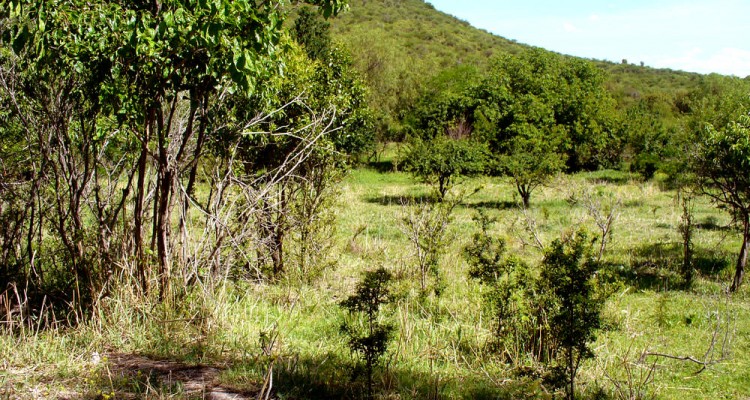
[(552, 317), (509, 294), (573, 309), (368, 337)]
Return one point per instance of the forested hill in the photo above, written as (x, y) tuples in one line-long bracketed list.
[(399, 45), (417, 31)]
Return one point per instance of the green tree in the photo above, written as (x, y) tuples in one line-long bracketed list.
[(370, 341), (307, 91), (511, 293), (313, 33), (540, 113), (721, 165), (516, 117), (531, 160), (445, 106), (442, 161), (649, 134), (586, 111)]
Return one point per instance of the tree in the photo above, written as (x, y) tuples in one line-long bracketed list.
[(649, 135), (369, 339), (306, 90), (531, 160), (441, 161), (519, 326), (445, 106), (313, 33), (721, 165), (541, 113), (516, 117), (586, 110)]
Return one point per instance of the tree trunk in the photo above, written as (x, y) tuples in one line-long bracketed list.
[(572, 372), (525, 194), (278, 236), (442, 188), (165, 176), (138, 214), (739, 271)]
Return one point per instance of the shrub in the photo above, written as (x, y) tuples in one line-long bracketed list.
[(369, 338)]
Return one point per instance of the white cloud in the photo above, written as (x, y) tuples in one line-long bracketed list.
[(728, 61), (569, 27), (595, 18)]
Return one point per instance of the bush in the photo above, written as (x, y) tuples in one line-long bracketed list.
[(572, 306), (370, 341)]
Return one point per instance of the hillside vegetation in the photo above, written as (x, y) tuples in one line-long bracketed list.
[(400, 46)]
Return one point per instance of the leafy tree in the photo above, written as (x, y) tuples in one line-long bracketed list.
[(531, 161), (441, 161), (511, 293), (649, 135), (307, 91), (313, 33), (721, 164), (158, 71), (445, 107), (516, 117), (586, 111)]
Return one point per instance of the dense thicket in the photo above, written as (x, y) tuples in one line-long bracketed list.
[(109, 110)]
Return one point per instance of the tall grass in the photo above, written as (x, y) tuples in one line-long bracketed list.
[(441, 344)]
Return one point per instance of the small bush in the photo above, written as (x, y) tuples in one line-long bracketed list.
[(368, 338)]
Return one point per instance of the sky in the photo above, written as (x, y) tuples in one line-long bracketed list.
[(702, 36)]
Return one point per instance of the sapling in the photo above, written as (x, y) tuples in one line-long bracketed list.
[(687, 230), (426, 226), (573, 306), (371, 341)]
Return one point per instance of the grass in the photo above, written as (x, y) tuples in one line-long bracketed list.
[(440, 348)]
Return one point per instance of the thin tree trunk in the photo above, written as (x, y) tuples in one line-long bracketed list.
[(525, 194), (739, 272), (161, 226), (278, 236), (138, 212), (572, 372)]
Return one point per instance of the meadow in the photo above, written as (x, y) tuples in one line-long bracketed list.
[(659, 339)]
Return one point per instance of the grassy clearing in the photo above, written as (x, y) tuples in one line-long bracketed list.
[(440, 348)]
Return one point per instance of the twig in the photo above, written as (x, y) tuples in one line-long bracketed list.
[(703, 364)]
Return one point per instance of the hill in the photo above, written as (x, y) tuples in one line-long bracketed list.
[(399, 45)]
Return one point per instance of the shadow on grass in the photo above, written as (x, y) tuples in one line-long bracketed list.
[(330, 377), (612, 177), (711, 263), (499, 205), (382, 166), (397, 200), (657, 265), (712, 224)]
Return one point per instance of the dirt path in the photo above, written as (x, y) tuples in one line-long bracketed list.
[(196, 380)]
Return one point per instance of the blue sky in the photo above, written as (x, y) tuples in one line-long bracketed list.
[(699, 36)]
